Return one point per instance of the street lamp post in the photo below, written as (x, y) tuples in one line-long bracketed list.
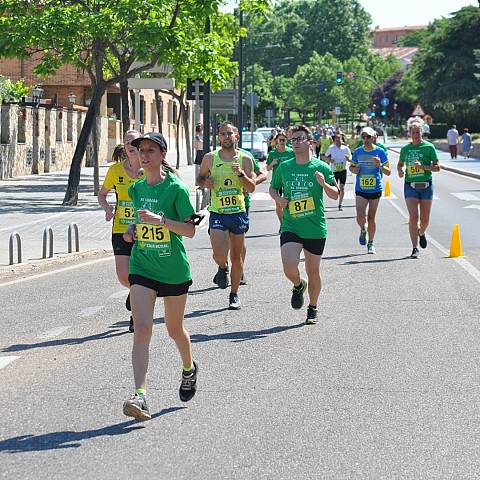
[(274, 69), (71, 99), (37, 94)]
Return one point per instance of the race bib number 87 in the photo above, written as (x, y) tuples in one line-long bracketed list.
[(302, 205)]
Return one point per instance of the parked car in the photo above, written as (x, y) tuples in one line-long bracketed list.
[(260, 145), (265, 131)]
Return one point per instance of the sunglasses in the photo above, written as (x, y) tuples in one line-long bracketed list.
[(366, 136), (281, 140)]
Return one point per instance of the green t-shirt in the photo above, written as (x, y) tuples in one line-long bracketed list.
[(158, 253), (425, 153), (287, 154), (305, 213)]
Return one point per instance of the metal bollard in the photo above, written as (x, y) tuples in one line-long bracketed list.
[(15, 235), (47, 232), (74, 227)]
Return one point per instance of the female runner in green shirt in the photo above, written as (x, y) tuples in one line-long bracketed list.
[(159, 266)]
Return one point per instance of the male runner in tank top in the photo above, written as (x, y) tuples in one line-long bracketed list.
[(227, 173)]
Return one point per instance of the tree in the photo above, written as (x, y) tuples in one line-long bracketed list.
[(442, 76), (104, 38), (299, 28)]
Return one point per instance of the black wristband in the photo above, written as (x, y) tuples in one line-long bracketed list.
[(241, 175)]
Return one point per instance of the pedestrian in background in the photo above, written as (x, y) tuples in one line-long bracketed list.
[(452, 138), (466, 143), (198, 145)]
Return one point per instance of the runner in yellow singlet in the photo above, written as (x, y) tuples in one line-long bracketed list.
[(119, 177), (227, 173)]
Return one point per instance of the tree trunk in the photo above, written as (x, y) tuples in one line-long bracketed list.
[(71, 194), (125, 106), (159, 107), (95, 141), (186, 127)]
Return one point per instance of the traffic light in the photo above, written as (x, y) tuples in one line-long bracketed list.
[(191, 88), (339, 79), (383, 113), (372, 113)]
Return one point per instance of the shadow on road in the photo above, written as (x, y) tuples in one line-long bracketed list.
[(65, 341), (69, 439), (344, 256), (244, 335), (263, 235), (201, 290), (386, 260)]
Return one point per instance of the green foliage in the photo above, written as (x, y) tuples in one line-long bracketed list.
[(301, 27), (442, 76), (413, 39), (12, 91)]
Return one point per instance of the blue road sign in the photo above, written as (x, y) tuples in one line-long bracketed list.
[(385, 102)]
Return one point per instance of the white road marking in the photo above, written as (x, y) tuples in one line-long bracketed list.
[(4, 361), (119, 294), (473, 206), (90, 311), (54, 332), (262, 196), (466, 197), (60, 270), (465, 264)]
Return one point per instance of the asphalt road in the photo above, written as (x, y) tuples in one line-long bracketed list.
[(385, 386)]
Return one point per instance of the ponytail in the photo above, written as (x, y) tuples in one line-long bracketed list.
[(119, 153)]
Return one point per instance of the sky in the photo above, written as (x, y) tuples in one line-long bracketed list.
[(398, 13)]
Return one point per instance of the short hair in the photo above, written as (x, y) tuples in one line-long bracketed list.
[(198, 128), (415, 122), (302, 128), (226, 123), (128, 132)]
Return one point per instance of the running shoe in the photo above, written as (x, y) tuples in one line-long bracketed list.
[(340, 207), (414, 253), (130, 326), (127, 303), (422, 240), (234, 302), (136, 407), (311, 316), (363, 237), (297, 295), (188, 385), (221, 277), (371, 248), (243, 280)]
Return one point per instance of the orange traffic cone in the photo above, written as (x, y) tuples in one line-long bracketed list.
[(456, 245), (388, 190)]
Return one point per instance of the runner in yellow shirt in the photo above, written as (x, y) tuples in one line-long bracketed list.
[(119, 177)]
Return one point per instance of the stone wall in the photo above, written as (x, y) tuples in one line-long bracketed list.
[(38, 140)]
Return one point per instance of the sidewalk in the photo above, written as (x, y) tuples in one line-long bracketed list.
[(30, 204), (469, 167)]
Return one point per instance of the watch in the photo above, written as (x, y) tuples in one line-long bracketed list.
[(241, 175)]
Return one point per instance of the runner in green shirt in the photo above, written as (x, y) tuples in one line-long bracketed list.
[(158, 266), (303, 180), (420, 159), (275, 158)]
